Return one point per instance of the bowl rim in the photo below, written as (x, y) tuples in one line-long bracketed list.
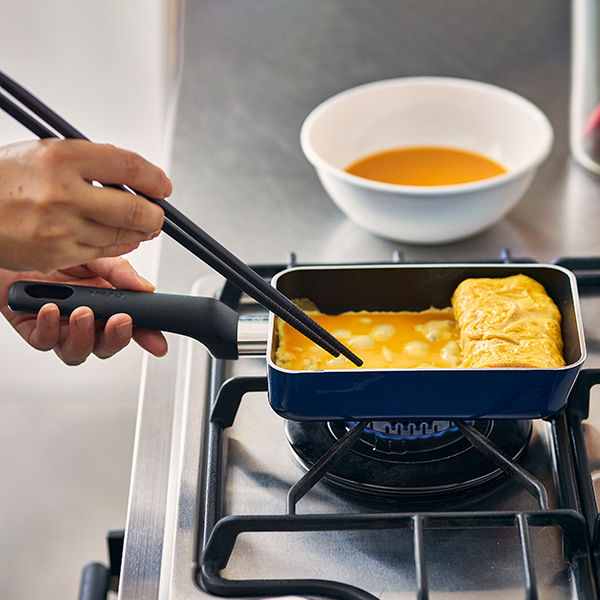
[(320, 163)]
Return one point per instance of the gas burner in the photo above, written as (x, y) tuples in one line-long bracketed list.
[(416, 441), (405, 462)]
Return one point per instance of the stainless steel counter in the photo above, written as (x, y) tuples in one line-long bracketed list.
[(252, 72)]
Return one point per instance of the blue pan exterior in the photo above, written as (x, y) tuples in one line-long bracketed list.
[(421, 394)]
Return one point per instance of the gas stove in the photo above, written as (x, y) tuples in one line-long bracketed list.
[(263, 507)]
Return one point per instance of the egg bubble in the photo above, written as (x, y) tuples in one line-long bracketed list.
[(342, 334), (384, 332), (416, 349), (362, 341)]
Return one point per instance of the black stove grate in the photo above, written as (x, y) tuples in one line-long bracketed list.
[(429, 469), (577, 412), (226, 530), (577, 521)]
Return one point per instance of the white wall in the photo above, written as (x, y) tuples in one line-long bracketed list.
[(101, 65), (66, 432)]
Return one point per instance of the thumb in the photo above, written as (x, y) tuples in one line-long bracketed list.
[(118, 272)]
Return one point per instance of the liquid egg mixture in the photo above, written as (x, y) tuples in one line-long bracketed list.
[(425, 165), (383, 340)]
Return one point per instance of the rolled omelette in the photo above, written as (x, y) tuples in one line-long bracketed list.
[(507, 322)]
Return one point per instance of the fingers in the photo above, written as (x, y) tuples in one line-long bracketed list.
[(89, 254), (151, 341), (119, 273), (73, 343), (79, 341), (54, 217), (46, 333), (74, 339), (119, 209), (108, 164), (115, 336), (119, 331), (81, 338), (97, 235), (84, 254)]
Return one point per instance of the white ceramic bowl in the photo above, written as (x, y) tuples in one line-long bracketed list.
[(426, 111)]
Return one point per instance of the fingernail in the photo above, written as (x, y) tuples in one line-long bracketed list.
[(49, 317), (83, 322), (168, 188), (123, 330), (147, 283)]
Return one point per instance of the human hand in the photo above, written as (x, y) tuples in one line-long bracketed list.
[(51, 214), (75, 338)]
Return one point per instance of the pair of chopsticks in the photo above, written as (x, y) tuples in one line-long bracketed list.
[(178, 226)]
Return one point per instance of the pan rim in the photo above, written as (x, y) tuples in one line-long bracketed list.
[(535, 265)]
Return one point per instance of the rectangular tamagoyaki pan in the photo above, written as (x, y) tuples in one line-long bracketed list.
[(424, 394), (357, 394)]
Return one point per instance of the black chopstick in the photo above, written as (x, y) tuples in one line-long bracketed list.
[(24, 118), (181, 237), (224, 269), (271, 298), (183, 230), (187, 241)]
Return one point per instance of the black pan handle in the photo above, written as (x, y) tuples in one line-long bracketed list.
[(205, 319), (586, 270), (94, 582)]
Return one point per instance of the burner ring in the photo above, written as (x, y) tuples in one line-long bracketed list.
[(410, 448), (427, 476)]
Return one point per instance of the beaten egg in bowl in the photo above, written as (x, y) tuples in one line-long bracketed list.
[(383, 340)]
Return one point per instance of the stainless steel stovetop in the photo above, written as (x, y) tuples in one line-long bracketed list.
[(236, 54), (232, 465)]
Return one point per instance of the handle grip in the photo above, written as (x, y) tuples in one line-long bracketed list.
[(209, 321), (586, 270), (94, 582)]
